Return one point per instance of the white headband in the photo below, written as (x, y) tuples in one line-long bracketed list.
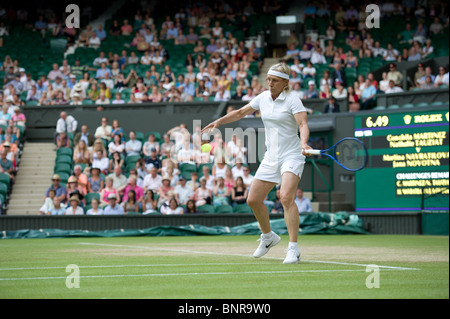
[(279, 74)]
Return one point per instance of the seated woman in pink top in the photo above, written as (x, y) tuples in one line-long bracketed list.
[(109, 189)]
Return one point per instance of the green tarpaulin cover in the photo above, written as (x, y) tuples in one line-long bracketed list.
[(317, 223)]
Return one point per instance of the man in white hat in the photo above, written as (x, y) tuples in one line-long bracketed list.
[(113, 208), (77, 88), (311, 93)]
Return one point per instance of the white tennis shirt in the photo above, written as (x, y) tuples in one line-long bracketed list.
[(281, 128)]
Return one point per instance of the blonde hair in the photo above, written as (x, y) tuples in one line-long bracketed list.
[(283, 68)]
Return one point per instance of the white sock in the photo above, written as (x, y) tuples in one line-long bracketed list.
[(293, 245), (268, 235)]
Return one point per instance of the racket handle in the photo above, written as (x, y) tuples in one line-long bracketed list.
[(313, 152)]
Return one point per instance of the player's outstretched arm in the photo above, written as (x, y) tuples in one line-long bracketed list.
[(233, 116), (302, 121)]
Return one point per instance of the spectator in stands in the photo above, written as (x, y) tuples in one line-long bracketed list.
[(55, 73), (304, 54), (303, 203), (414, 55), (95, 208), (58, 208), (331, 106), (407, 35), (340, 92), (112, 208), (202, 195), (311, 93), (390, 54), (436, 27), (153, 161), (6, 166), (351, 61), (421, 33), (317, 56), (353, 100), (239, 192), (109, 189), (102, 71), (149, 203), (247, 177), (100, 32), (73, 189), (368, 95), (126, 28), (101, 162), (85, 136), (172, 208), (58, 188), (131, 205), (324, 92), (292, 40), (339, 75), (74, 208), (94, 41), (151, 143), (94, 92), (62, 140), (82, 178), (221, 193), (394, 74), (48, 203), (117, 146), (441, 78), (153, 181), (427, 49), (427, 84), (104, 130), (191, 208), (384, 83), (183, 193), (102, 100), (309, 71), (133, 146)]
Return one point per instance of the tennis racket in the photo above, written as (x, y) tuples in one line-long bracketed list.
[(349, 153)]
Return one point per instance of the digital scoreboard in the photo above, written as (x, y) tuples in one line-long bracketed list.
[(408, 162)]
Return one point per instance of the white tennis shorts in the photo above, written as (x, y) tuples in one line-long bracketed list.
[(271, 171)]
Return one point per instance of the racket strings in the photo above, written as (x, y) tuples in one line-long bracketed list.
[(351, 154)]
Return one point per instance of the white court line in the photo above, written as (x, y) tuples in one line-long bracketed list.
[(129, 266), (243, 255), (194, 274)]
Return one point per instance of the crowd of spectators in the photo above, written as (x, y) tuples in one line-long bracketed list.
[(168, 174), (218, 68), (307, 58), (142, 71)]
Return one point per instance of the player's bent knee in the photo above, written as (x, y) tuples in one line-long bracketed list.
[(287, 199)]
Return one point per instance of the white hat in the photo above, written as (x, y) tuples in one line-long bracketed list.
[(112, 196), (311, 83)]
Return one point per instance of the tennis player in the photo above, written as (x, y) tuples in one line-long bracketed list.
[(283, 115)]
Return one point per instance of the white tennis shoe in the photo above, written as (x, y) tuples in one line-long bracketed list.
[(265, 245), (292, 255)]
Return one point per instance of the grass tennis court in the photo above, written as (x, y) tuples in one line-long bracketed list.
[(220, 267)]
